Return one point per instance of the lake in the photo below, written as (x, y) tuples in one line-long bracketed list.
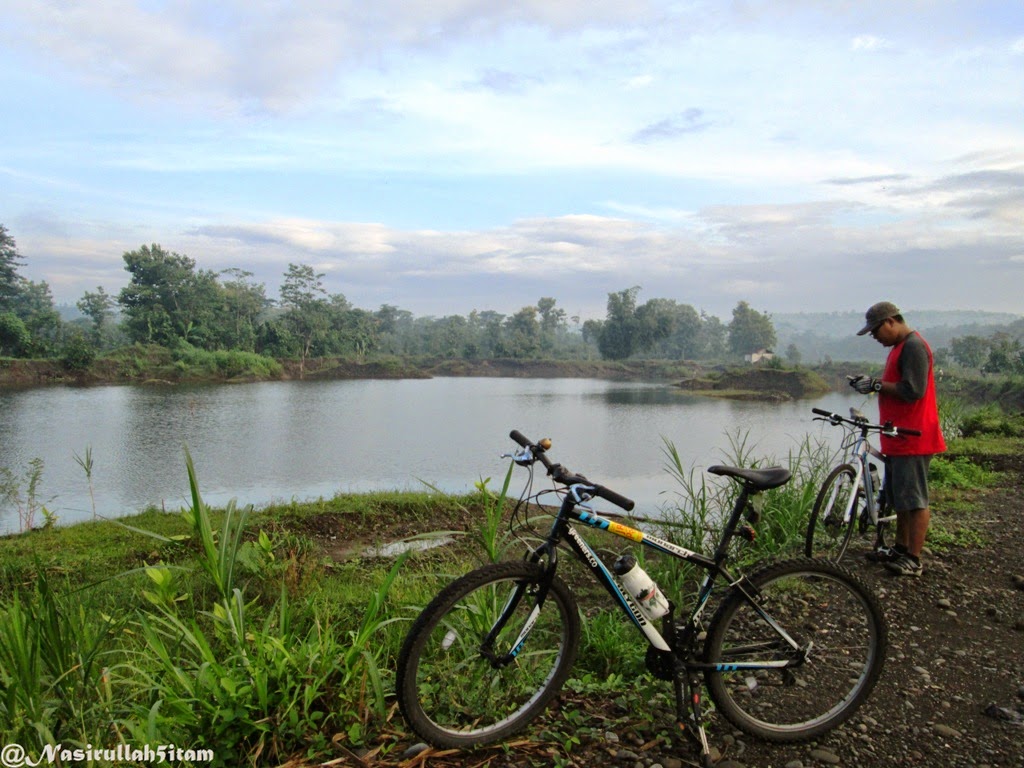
[(272, 441)]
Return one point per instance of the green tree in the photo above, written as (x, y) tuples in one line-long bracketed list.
[(166, 301), (524, 334), (656, 322), (394, 327), (969, 351), (1006, 355), (15, 340), (618, 337), (750, 330), (243, 302), (552, 322), (10, 260), (34, 305), (99, 308), (489, 333), (713, 336), (307, 312)]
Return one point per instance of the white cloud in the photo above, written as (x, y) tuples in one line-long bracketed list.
[(697, 149), (868, 43)]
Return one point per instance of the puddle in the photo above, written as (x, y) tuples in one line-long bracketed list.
[(396, 548)]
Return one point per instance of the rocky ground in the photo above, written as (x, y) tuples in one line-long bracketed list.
[(952, 692)]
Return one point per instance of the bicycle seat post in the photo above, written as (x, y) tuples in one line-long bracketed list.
[(729, 530)]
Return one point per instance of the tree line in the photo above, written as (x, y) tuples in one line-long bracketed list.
[(170, 302)]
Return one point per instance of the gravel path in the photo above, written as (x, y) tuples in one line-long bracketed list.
[(951, 694)]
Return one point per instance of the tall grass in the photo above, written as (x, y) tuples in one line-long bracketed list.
[(701, 503), (54, 680), (199, 660), (22, 493)]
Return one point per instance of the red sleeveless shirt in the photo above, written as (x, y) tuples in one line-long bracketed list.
[(921, 414)]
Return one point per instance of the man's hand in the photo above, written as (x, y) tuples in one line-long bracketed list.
[(865, 384)]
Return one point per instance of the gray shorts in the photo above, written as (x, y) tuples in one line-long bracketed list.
[(906, 482)]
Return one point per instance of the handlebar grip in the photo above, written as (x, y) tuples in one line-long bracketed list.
[(820, 412), (520, 438), (618, 500), (911, 432)]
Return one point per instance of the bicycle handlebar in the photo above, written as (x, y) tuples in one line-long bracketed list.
[(562, 475), (887, 429)]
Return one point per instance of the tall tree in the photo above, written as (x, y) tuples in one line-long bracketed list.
[(99, 308), (970, 351), (307, 313), (523, 333), (750, 330), (618, 336), (10, 260), (243, 302), (166, 301), (34, 305)]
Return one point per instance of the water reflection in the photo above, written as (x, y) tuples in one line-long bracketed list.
[(282, 440)]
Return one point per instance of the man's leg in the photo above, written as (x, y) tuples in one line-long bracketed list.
[(916, 528)]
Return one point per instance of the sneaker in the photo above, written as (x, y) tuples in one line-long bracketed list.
[(882, 554), (905, 565)]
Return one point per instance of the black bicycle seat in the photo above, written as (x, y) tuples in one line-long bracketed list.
[(756, 479)]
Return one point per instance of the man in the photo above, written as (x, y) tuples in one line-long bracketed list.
[(906, 397)]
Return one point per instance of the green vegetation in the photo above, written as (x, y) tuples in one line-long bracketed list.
[(272, 634)]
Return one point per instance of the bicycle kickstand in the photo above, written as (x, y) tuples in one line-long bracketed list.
[(688, 692)]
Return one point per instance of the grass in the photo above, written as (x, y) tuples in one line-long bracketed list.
[(237, 629)]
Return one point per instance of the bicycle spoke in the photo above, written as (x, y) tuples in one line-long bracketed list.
[(841, 640)]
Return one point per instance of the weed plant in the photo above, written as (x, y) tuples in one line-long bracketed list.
[(199, 659), (234, 634)]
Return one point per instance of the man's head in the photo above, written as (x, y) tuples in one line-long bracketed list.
[(884, 322)]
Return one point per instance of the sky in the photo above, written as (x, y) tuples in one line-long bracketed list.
[(450, 155)]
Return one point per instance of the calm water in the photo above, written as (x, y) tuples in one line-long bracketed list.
[(281, 440)]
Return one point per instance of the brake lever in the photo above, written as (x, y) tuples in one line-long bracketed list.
[(524, 458)]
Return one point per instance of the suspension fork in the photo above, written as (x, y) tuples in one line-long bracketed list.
[(520, 592)]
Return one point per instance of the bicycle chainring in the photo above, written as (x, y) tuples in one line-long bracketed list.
[(659, 663)]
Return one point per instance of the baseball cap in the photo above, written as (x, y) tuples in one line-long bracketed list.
[(878, 314)]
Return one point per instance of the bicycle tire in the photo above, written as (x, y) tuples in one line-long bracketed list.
[(828, 533), (818, 603), (450, 693)]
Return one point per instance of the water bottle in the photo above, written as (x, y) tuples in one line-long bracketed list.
[(876, 484), (652, 603)]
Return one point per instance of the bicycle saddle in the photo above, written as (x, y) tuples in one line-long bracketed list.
[(756, 479)]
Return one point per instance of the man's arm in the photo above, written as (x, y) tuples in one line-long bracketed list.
[(913, 365)]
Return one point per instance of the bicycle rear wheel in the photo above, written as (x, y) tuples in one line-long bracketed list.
[(830, 529), (841, 640), (455, 687)]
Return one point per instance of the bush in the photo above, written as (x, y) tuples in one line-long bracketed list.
[(229, 364), (959, 472), (991, 420), (78, 353)]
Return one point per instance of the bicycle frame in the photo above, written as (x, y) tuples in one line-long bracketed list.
[(686, 664), (858, 452), (677, 650)]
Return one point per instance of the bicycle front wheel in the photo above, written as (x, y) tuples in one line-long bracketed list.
[(800, 655), (830, 528), (466, 675)]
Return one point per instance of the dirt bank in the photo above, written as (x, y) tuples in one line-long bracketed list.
[(952, 687)]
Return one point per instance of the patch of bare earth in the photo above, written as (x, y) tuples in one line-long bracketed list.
[(951, 694)]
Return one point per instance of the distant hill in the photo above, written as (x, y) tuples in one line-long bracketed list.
[(832, 335)]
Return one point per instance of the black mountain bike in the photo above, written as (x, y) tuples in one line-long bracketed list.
[(791, 651)]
